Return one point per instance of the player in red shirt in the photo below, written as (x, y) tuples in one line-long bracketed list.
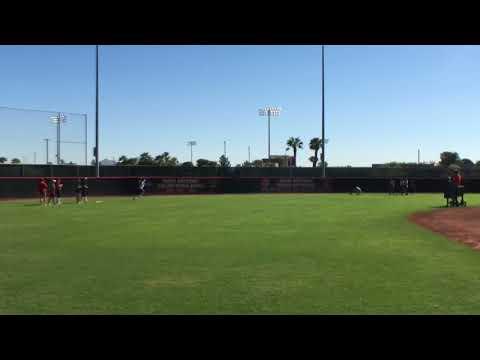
[(458, 181), (42, 189)]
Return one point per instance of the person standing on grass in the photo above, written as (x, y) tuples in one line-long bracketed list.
[(59, 190), (402, 186), (43, 189), (141, 188), (51, 192), (406, 185), (391, 187), (449, 191), (413, 187), (458, 185), (84, 190), (78, 191)]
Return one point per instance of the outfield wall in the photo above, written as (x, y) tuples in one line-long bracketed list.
[(26, 187)]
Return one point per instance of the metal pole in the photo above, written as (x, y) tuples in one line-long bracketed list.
[(191, 153), (58, 139), (46, 143), (419, 156), (224, 148), (97, 163), (268, 134), (86, 141), (323, 112), (249, 154)]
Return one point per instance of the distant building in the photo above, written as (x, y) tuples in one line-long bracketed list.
[(404, 165), (107, 162), (279, 161)]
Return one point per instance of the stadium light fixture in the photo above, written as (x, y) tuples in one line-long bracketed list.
[(269, 112), (191, 144), (58, 120)]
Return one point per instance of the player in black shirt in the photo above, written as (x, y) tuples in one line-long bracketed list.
[(78, 191), (84, 190)]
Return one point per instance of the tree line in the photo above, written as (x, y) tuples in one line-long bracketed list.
[(165, 159), (447, 158)]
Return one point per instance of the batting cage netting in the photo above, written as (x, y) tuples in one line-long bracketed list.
[(31, 136)]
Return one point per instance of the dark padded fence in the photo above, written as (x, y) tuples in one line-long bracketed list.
[(20, 181), (23, 187)]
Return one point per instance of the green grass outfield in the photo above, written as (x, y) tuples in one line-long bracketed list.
[(233, 254)]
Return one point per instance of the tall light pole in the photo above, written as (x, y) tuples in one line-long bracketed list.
[(323, 112), (58, 120), (225, 148), (269, 111), (249, 153), (86, 141), (191, 144), (97, 163), (46, 143)]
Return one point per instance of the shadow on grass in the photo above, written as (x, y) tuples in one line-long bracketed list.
[(38, 205)]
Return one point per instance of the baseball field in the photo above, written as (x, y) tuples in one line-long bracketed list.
[(234, 254)]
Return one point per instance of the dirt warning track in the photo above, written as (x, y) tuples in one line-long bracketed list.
[(459, 224)]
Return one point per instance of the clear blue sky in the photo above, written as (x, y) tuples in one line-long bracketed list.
[(382, 102)]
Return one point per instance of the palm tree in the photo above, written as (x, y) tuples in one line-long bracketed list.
[(3, 159), (294, 143), (315, 145), (224, 162)]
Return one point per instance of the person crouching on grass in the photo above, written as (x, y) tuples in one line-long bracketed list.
[(356, 190), (58, 191), (43, 189)]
